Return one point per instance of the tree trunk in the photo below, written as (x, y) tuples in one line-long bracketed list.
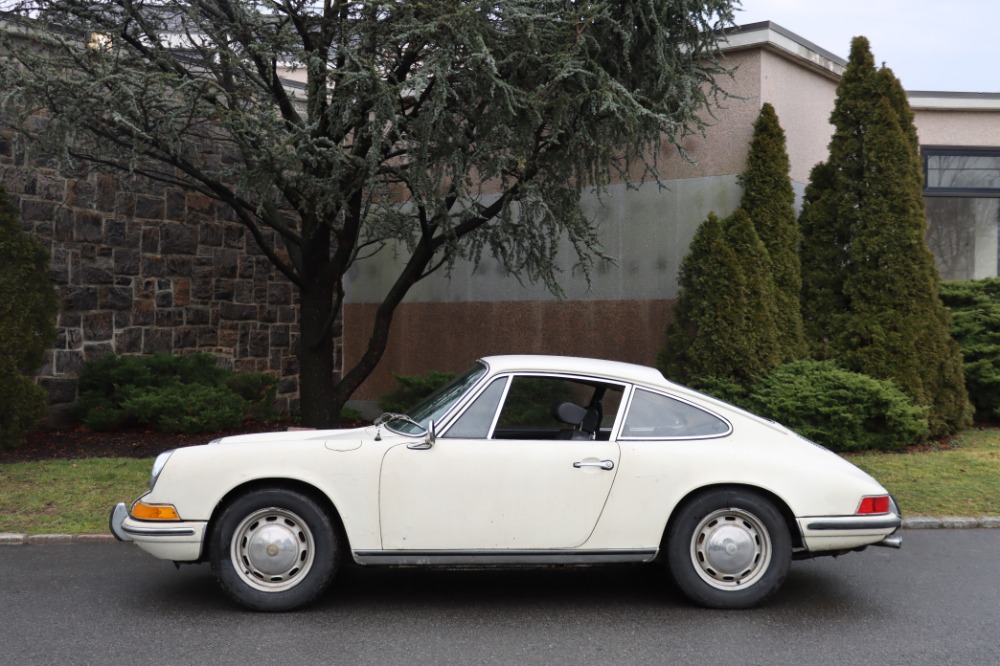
[(315, 354)]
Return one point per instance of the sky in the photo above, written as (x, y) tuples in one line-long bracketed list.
[(932, 45)]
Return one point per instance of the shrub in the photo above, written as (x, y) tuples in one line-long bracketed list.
[(184, 394), (411, 389), (257, 389), (975, 307), (22, 405), (186, 408), (842, 410), (723, 389)]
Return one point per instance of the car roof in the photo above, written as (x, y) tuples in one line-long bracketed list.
[(628, 372)]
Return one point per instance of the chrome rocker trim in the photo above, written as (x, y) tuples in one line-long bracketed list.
[(498, 557)]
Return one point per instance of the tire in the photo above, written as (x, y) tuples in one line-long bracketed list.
[(729, 549), (274, 550)]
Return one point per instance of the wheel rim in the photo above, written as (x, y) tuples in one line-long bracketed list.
[(272, 550), (731, 549)]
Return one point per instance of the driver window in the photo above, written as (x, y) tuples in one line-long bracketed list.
[(531, 409)]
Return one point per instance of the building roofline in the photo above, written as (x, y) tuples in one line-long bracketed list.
[(773, 37), (777, 39), (953, 101)]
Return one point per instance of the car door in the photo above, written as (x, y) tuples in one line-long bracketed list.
[(508, 478)]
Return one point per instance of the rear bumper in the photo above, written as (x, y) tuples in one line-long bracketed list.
[(825, 533), (179, 541)]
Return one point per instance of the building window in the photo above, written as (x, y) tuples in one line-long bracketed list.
[(962, 195)]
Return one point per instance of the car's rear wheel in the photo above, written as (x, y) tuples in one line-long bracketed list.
[(729, 549), (274, 550)]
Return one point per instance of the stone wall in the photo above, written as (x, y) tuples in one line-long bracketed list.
[(141, 267)]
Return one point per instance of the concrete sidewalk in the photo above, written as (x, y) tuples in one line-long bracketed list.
[(916, 523)]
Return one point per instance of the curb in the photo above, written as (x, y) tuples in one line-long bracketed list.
[(13, 539), (916, 523)]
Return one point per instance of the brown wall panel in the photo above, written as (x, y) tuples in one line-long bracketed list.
[(449, 336)]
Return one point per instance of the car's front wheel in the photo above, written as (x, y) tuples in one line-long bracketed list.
[(274, 550), (729, 549)]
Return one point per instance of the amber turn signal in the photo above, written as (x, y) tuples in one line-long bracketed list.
[(143, 511)]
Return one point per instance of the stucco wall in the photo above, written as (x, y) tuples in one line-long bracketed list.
[(803, 101), (958, 128), (730, 125)]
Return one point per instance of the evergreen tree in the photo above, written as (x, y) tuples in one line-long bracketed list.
[(769, 200), (700, 332), (758, 333), (872, 299), (27, 325), (724, 324)]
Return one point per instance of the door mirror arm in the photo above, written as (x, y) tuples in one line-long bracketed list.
[(430, 436)]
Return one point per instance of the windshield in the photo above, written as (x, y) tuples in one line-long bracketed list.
[(438, 403)]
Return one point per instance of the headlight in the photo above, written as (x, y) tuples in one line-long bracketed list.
[(158, 465)]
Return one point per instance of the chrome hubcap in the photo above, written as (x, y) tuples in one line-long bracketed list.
[(730, 549), (272, 549)]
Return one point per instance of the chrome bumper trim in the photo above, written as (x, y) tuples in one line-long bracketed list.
[(159, 531), (122, 532), (854, 523), (118, 515)]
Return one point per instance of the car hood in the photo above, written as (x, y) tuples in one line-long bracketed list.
[(335, 439)]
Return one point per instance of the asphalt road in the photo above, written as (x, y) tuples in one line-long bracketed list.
[(935, 602)]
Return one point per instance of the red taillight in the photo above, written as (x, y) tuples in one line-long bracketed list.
[(873, 505)]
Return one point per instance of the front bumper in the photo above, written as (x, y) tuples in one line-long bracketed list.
[(178, 541)]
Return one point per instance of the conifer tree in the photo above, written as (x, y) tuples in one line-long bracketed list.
[(870, 287), (769, 200), (758, 333), (724, 323), (700, 331), (27, 325)]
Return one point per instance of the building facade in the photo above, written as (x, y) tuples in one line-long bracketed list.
[(622, 313)]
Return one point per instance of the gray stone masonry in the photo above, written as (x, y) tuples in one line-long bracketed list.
[(141, 267)]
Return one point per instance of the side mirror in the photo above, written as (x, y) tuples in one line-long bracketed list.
[(429, 438)]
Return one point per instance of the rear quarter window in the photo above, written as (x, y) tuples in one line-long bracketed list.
[(657, 416)]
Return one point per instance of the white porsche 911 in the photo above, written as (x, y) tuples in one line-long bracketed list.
[(521, 460)]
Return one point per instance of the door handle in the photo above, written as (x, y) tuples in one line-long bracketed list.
[(604, 464)]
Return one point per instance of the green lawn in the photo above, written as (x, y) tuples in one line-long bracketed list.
[(75, 496), (68, 496), (962, 479)]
